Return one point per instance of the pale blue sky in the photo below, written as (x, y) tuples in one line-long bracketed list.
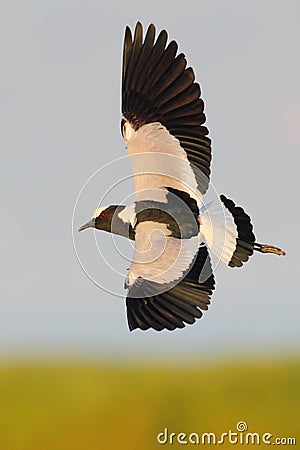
[(60, 114)]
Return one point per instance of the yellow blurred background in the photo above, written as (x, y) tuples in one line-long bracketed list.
[(82, 405)]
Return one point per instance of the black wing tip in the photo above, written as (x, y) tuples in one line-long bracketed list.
[(127, 35), (144, 315), (139, 28), (151, 27), (166, 312), (163, 36)]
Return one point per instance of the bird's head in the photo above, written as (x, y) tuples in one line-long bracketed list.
[(101, 219)]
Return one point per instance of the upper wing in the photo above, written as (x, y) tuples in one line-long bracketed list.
[(177, 304), (163, 113)]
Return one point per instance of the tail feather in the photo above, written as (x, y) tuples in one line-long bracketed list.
[(228, 232), (246, 238)]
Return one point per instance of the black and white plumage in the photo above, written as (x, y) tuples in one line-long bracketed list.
[(161, 105), (183, 303), (170, 280)]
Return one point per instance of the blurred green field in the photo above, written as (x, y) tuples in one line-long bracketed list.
[(91, 406)]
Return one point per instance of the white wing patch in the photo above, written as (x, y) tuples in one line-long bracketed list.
[(128, 215), (219, 230), (158, 257), (159, 161)]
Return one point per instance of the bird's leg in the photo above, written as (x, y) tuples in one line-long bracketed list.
[(266, 248)]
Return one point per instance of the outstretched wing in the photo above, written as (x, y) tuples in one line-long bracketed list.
[(177, 305), (163, 115)]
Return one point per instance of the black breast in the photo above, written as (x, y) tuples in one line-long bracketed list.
[(180, 213)]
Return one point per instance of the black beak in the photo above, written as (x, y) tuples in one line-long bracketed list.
[(89, 224)]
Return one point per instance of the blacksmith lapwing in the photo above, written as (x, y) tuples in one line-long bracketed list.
[(170, 279)]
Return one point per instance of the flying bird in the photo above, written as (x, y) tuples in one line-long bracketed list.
[(170, 280)]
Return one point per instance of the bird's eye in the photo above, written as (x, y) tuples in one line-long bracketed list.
[(103, 215)]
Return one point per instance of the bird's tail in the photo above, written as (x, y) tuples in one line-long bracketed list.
[(228, 232)]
